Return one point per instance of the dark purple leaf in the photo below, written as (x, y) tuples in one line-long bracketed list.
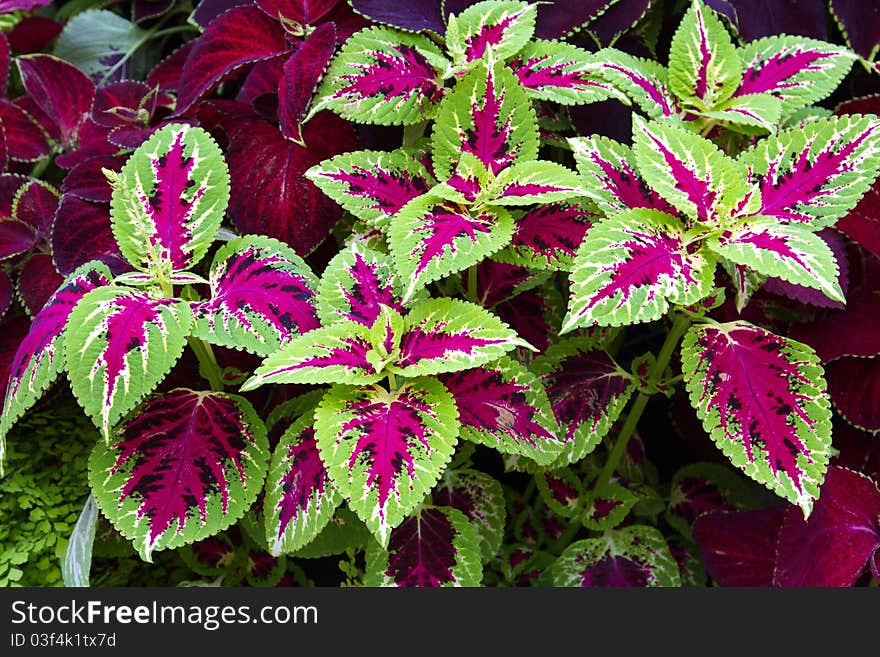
[(14, 331), (37, 281), (16, 237), (62, 91), (739, 548), (143, 10), (302, 71), (82, 232), (87, 181), (10, 183), (760, 18), (617, 19), (166, 74), (207, 10), (240, 36), (413, 15), (35, 205), (832, 548), (5, 56), (302, 12), (22, 136), (117, 103), (6, 292), (188, 465), (260, 84), (270, 195), (858, 450), (854, 386), (498, 281), (860, 24), (93, 142)]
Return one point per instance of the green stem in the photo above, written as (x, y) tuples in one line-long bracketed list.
[(679, 326), (472, 283), (40, 167), (392, 384), (208, 366), (412, 133)]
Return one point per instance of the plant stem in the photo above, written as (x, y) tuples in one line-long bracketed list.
[(679, 326), (472, 283), (208, 366), (412, 133)]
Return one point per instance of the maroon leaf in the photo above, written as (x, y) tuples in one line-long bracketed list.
[(93, 142), (14, 331), (760, 18), (23, 138), (302, 71), (415, 15), (738, 549), (863, 223), (260, 87), (834, 545), (207, 10), (10, 183), (82, 232), (37, 281), (240, 36), (16, 237), (35, 205), (34, 34), (6, 293), (620, 17), (62, 91), (303, 12), (854, 386), (270, 195), (860, 24), (87, 181), (166, 74), (5, 55)]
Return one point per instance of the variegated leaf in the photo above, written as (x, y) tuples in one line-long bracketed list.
[(331, 354), (611, 178), (746, 282), (39, 358), (817, 172), (300, 500), (504, 406), (704, 67), (630, 267), (187, 466), (373, 185), (762, 399), (448, 335), (489, 115), (385, 450), (756, 110), (481, 499), (643, 81), (562, 73), (796, 70), (526, 183), (385, 77), (688, 171), (432, 238), (356, 284), (262, 295), (791, 252), (587, 392), (168, 201), (547, 236), (436, 546), (119, 345), (504, 26), (636, 556)]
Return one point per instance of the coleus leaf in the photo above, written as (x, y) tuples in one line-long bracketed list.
[(16, 237), (81, 232), (331, 354), (488, 115), (630, 267), (302, 71), (791, 252), (561, 490), (795, 70), (503, 26), (300, 500), (413, 15), (345, 530), (504, 406), (642, 80), (383, 77), (355, 286), (760, 18), (87, 181), (547, 236), (270, 194), (703, 62), (636, 556), (169, 199), (431, 238), (300, 12), (859, 23), (40, 356), (619, 18), (817, 172), (762, 399), (436, 546), (187, 466), (61, 91), (757, 110), (526, 183), (608, 507), (688, 171), (385, 450), (841, 535), (448, 335), (615, 183), (7, 293), (373, 185), (739, 548), (120, 345), (37, 281), (853, 384), (587, 392), (699, 488), (262, 294), (237, 37), (561, 73), (481, 499), (25, 140)]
